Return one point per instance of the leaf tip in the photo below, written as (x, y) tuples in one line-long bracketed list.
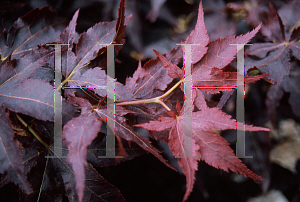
[(156, 52)]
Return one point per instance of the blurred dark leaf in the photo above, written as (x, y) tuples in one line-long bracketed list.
[(289, 85), (274, 57), (53, 178), (216, 14)]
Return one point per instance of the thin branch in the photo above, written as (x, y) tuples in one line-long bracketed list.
[(32, 131), (152, 100)]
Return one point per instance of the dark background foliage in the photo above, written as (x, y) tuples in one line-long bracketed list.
[(145, 178)]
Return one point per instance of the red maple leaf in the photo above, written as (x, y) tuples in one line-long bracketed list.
[(212, 148), (208, 59)]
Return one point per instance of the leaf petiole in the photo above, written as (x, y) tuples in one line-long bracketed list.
[(71, 74), (153, 100), (32, 131), (170, 90)]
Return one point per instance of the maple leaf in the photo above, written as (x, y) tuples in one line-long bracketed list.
[(218, 55), (87, 48), (289, 14), (198, 36), (52, 179), (90, 44), (79, 136), (213, 149), (11, 159), (17, 88), (148, 78), (290, 86), (97, 77), (20, 96), (18, 93), (215, 77), (208, 57), (25, 89), (274, 57), (79, 133), (173, 70), (203, 73), (152, 76), (39, 26), (275, 93)]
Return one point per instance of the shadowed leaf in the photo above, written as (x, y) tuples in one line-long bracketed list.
[(126, 132), (79, 133), (274, 57), (39, 26), (11, 162), (53, 179)]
